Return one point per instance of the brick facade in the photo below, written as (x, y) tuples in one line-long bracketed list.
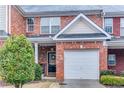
[(65, 20), (119, 60), (18, 22), (97, 19), (116, 26), (60, 47)]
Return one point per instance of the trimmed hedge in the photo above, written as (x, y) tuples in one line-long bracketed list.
[(107, 72), (38, 72), (112, 80)]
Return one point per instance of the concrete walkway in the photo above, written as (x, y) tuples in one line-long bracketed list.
[(82, 84)]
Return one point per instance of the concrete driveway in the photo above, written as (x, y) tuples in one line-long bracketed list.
[(81, 84)]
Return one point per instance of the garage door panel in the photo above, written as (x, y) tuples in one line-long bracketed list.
[(81, 64)]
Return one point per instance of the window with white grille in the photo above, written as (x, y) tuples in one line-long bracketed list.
[(108, 25)]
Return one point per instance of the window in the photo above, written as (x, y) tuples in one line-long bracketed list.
[(122, 27), (30, 24), (50, 25), (111, 59), (3, 19), (108, 25)]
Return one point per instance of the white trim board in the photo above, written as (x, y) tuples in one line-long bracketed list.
[(86, 19)]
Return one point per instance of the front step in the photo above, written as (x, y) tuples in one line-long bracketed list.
[(49, 78)]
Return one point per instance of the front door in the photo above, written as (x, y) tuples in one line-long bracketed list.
[(51, 63)]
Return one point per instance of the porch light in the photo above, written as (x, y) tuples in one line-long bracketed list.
[(52, 49)]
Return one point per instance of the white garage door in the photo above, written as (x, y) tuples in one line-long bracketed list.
[(81, 64)]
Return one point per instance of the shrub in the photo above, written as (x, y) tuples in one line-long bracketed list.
[(122, 73), (107, 72), (17, 61), (38, 72), (112, 80)]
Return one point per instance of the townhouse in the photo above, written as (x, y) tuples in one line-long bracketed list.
[(70, 42)]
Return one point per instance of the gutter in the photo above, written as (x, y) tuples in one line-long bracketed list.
[(62, 13)]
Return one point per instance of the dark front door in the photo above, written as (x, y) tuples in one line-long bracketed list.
[(51, 62)]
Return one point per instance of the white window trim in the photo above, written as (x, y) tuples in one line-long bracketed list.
[(9, 21), (105, 25), (115, 60), (27, 25), (121, 26), (120, 22), (50, 32)]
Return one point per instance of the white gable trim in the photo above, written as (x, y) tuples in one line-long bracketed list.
[(88, 20)]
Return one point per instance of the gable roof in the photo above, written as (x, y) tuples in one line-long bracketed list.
[(65, 10), (51, 8), (106, 35)]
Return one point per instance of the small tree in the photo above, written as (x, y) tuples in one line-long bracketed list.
[(17, 61)]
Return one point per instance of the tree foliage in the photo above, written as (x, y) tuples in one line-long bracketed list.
[(17, 61)]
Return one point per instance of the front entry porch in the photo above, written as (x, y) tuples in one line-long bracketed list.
[(116, 60), (45, 55)]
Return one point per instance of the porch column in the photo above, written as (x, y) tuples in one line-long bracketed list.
[(36, 52)]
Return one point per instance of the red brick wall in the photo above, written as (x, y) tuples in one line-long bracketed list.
[(95, 18), (116, 26), (18, 22), (36, 27), (60, 47), (119, 58), (66, 20)]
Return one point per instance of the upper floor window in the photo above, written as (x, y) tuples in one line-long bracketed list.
[(30, 24), (50, 25), (122, 27), (108, 25)]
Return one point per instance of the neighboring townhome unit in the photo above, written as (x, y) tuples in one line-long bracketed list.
[(70, 42)]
